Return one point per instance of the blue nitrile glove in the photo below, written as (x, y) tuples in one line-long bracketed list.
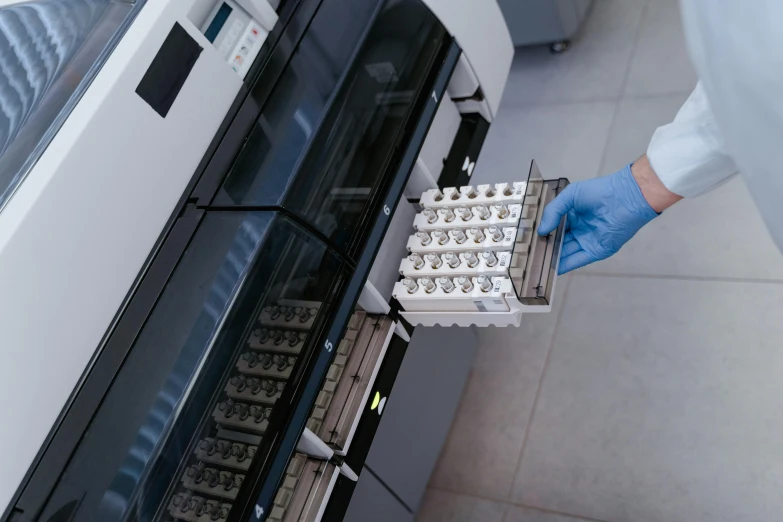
[(603, 214)]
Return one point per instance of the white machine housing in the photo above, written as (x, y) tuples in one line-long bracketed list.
[(73, 243)]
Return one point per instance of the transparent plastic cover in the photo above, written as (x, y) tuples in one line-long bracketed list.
[(49, 52)]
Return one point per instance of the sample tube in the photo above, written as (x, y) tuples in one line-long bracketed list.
[(448, 214), (482, 212), (446, 284), (495, 233), (273, 311), (490, 258), (501, 210), (305, 314), (455, 195), (441, 236), (418, 262), (438, 196), (452, 259), (471, 192), (430, 214), (263, 335), (464, 213), (289, 313), (471, 259), (509, 190), (478, 234), (424, 238), (490, 192), (459, 236), (428, 284), (465, 284), (410, 285), (484, 283), (435, 260)]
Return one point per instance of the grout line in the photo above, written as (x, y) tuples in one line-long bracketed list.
[(555, 512), (656, 95), (623, 86), (609, 134), (635, 46), (516, 105), (464, 494), (532, 415), (706, 279), (555, 103), (509, 503)]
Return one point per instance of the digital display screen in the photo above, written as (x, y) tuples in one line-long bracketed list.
[(218, 22)]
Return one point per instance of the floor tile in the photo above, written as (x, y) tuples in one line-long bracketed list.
[(662, 401), (661, 63), (565, 140), (442, 506), (634, 125), (593, 69), (520, 514), (717, 235), (481, 452)]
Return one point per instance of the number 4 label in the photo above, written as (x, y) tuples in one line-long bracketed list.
[(259, 512)]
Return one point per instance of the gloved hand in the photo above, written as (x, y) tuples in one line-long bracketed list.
[(603, 214)]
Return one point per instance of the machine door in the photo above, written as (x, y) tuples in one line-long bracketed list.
[(337, 121), (207, 384)]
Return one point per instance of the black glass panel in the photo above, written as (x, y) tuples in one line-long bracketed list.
[(328, 132), (201, 387)]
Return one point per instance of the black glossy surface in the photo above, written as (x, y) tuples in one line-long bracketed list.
[(169, 70), (365, 431), (329, 131), (426, 106), (464, 151), (131, 460)]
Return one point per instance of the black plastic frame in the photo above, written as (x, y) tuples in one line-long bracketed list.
[(254, 509), (365, 431), (465, 150)]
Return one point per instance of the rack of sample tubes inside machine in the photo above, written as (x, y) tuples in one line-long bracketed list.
[(476, 250), (226, 446)]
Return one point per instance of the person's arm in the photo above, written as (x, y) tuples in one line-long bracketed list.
[(685, 159), (654, 191), (689, 155)]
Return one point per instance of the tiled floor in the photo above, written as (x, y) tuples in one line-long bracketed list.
[(652, 392)]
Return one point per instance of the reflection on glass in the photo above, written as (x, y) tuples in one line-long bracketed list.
[(188, 412), (329, 131), (49, 51)]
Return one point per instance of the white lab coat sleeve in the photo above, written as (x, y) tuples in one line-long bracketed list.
[(689, 154)]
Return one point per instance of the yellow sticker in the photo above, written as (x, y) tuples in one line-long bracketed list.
[(375, 401)]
